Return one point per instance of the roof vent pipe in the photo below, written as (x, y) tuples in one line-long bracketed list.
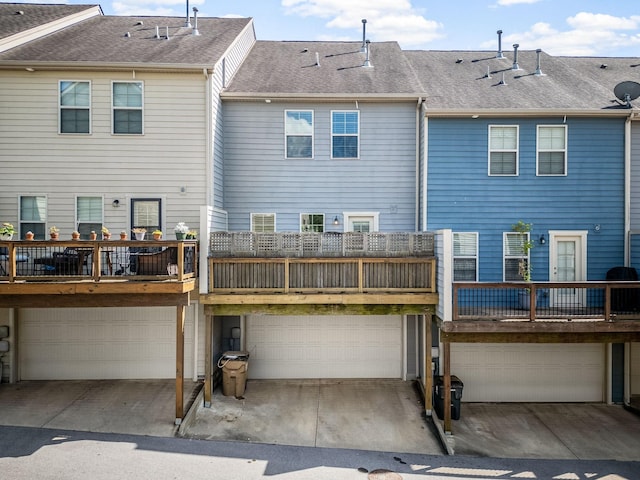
[(367, 62), (157, 32), (317, 59), (515, 65), (187, 23), (363, 48), (499, 54), (167, 37), (195, 22), (538, 69)]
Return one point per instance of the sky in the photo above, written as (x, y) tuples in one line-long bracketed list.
[(559, 27)]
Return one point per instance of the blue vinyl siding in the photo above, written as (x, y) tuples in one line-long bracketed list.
[(461, 195), (258, 177)]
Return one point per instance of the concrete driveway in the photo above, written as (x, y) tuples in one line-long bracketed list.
[(382, 415)]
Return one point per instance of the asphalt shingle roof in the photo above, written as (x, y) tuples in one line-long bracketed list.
[(457, 80), (104, 40), (289, 68), (33, 15)]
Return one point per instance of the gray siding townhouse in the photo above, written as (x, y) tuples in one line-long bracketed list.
[(107, 122)]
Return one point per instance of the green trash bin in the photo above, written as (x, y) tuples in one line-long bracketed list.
[(456, 396)]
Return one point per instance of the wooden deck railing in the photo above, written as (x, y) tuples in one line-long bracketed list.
[(322, 275), (131, 260), (606, 301)]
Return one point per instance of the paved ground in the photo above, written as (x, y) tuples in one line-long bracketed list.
[(360, 415), (378, 415)]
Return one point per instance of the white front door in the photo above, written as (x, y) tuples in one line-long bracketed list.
[(364, 222), (567, 263)]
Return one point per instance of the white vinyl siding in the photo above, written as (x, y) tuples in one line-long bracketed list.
[(33, 216), (465, 257), (345, 134), (89, 215), (263, 222), (503, 150), (127, 103), (75, 107), (515, 260), (552, 150), (298, 127)]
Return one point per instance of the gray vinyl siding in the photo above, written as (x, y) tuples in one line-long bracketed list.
[(224, 72), (171, 154), (258, 178), (635, 176)]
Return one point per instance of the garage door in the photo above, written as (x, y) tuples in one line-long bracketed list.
[(100, 343), (530, 372), (360, 346)]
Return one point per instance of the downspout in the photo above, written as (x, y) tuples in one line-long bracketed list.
[(417, 206), (209, 169), (425, 155), (627, 188)]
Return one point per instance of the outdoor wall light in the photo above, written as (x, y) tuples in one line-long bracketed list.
[(596, 227), (115, 203), (336, 221), (542, 240)]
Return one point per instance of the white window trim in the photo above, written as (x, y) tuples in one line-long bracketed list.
[(348, 215), (313, 140), (113, 108), (63, 107), (476, 256), (504, 253), (490, 150), (565, 150), (357, 157), (275, 218)]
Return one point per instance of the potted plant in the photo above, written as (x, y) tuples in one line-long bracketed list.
[(139, 233), (123, 235), (6, 231), (181, 230), (54, 232), (524, 265), (29, 235), (106, 234), (192, 235), (75, 235), (157, 234), (93, 235)]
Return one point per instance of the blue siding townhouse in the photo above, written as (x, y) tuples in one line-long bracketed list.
[(526, 137)]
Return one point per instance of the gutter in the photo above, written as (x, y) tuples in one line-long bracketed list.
[(531, 112), (104, 67), (316, 97)]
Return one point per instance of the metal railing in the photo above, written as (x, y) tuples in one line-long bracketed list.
[(546, 301), (132, 260)]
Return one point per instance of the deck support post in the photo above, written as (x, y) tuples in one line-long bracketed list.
[(180, 317), (446, 351), (208, 360), (427, 321)]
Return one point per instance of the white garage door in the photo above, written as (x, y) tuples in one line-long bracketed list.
[(101, 343), (359, 346), (530, 372)]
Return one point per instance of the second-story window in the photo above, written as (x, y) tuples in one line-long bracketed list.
[(298, 131), (552, 150), (345, 134), (127, 108), (263, 222), (465, 257), (312, 222), (89, 214), (503, 150), (75, 107)]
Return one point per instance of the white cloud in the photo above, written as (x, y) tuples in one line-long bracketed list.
[(386, 19), (153, 7), (589, 34), (507, 3)]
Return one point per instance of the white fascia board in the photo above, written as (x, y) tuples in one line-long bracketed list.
[(479, 113)]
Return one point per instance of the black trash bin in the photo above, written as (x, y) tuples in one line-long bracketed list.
[(624, 299), (456, 396)]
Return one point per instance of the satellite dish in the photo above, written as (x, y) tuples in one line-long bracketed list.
[(627, 91)]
